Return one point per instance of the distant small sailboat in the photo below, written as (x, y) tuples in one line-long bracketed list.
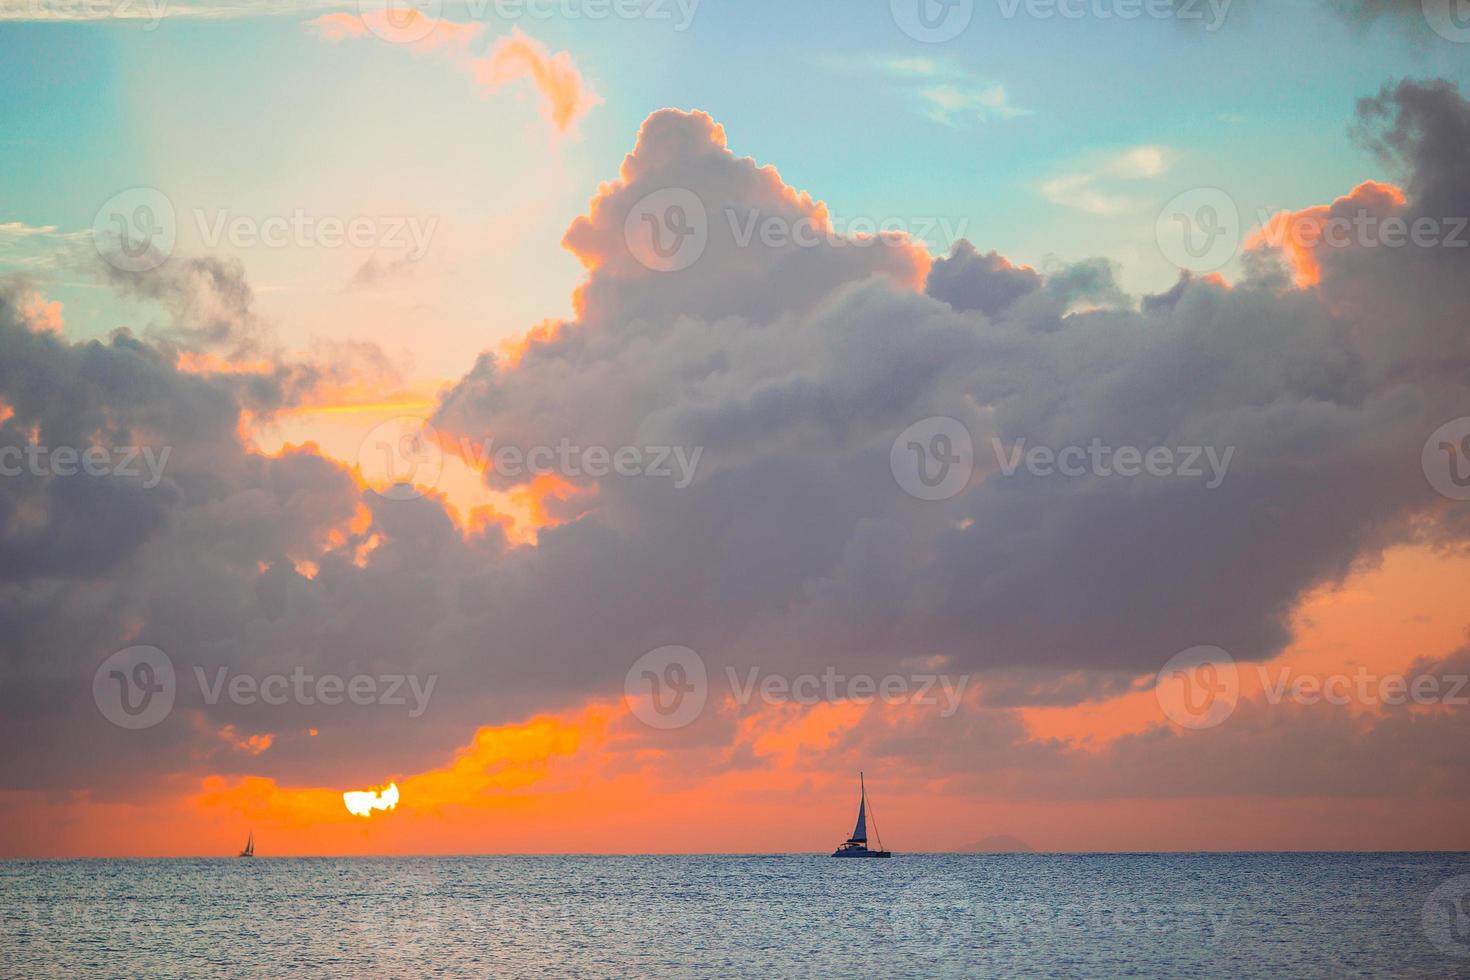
[(249, 851), (856, 846)]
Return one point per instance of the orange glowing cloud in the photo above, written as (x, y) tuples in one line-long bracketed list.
[(565, 96), (206, 363), (1300, 235), (40, 315)]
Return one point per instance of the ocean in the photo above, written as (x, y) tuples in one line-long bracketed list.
[(919, 915)]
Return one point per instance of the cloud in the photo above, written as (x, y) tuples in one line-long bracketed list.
[(564, 95), (794, 367), (988, 283), (1095, 189), (952, 96), (407, 23), (1301, 237), (39, 249), (949, 103)]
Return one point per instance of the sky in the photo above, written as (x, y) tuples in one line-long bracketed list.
[(640, 418)]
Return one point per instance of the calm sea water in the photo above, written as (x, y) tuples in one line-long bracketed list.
[(791, 915)]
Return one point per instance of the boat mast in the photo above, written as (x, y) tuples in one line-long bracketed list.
[(876, 833)]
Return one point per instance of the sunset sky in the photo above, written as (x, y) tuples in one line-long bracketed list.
[(323, 417)]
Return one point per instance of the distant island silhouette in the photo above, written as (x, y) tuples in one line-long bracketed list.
[(998, 844)]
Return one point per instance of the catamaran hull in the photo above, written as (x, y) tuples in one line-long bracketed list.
[(854, 852)]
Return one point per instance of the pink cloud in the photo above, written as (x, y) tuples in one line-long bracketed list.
[(407, 27), (565, 96), (564, 93)]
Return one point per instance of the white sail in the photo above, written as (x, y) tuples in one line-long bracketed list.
[(860, 832)]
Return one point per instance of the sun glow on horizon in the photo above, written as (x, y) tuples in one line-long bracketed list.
[(362, 803)]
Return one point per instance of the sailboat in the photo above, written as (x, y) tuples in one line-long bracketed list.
[(856, 846), (249, 851)]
